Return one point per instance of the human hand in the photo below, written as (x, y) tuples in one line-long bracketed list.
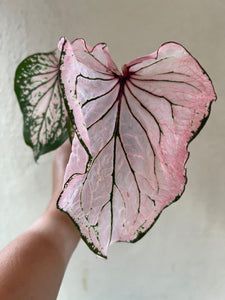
[(32, 266), (60, 161)]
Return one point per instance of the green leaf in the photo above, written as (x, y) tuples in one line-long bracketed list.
[(38, 90)]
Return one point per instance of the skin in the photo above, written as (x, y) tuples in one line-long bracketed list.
[(32, 266)]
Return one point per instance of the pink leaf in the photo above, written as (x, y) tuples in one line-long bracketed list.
[(133, 129)]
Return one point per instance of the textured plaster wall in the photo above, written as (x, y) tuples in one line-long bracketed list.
[(183, 256)]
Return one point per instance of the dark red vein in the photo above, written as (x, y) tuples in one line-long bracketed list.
[(42, 74), (167, 81), (89, 78), (44, 115), (100, 96), (151, 114), (54, 61), (45, 93), (164, 73), (157, 96), (145, 67), (133, 173), (41, 84), (102, 117), (95, 58), (92, 163), (146, 133), (47, 65)]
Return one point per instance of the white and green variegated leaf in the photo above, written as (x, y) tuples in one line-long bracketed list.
[(37, 87)]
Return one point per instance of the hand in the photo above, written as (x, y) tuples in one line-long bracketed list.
[(32, 266), (60, 161)]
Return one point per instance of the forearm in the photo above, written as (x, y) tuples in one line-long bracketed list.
[(33, 265)]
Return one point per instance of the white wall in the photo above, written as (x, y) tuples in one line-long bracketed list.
[(183, 256)]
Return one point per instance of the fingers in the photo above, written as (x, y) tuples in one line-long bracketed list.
[(63, 153), (60, 161), (61, 157)]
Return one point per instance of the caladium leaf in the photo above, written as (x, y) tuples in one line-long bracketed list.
[(38, 91), (133, 128)]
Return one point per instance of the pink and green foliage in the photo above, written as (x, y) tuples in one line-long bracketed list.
[(37, 87), (132, 130)]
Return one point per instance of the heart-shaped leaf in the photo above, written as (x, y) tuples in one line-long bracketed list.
[(133, 130), (39, 94)]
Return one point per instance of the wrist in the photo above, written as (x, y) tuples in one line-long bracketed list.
[(59, 231), (63, 226)]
